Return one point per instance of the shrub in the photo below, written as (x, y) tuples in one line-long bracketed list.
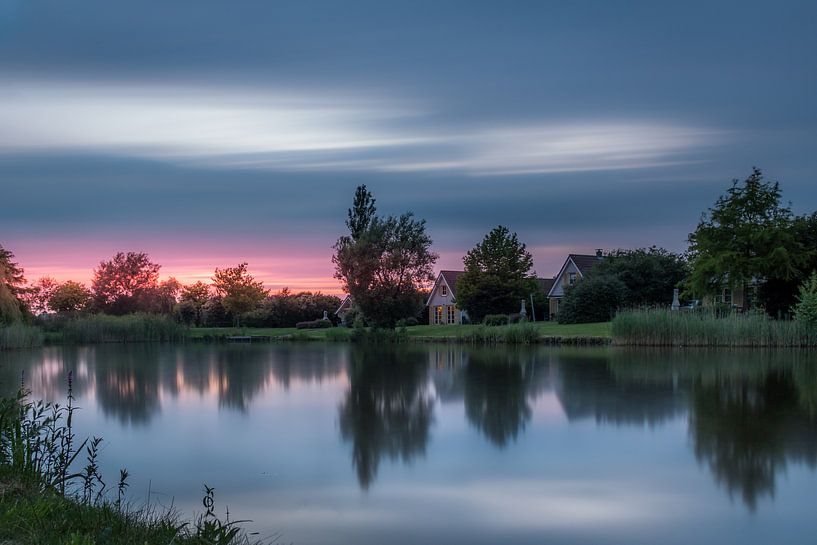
[(495, 319), (517, 318), (805, 311), (411, 321), (522, 333), (594, 299), (314, 324)]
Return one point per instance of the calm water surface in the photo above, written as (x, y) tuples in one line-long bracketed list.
[(448, 444)]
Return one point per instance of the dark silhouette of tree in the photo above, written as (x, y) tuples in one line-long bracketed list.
[(388, 409), (497, 275), (384, 262)]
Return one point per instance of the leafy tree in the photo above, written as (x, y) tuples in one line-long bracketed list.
[(779, 294), (385, 263), (12, 287), (746, 236), (497, 276), (595, 299), (191, 302), (37, 296), (806, 309), (125, 284), (239, 291), (70, 297), (649, 275), (362, 213)]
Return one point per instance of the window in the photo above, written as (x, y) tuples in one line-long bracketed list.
[(438, 315), (571, 278), (726, 296), (451, 314), (444, 290)]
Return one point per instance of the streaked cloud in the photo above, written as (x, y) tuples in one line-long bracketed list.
[(295, 131)]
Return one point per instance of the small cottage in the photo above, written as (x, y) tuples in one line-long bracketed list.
[(574, 269), (442, 304)]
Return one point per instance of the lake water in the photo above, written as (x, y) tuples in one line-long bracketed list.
[(443, 444)]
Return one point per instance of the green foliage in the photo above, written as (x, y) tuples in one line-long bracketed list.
[(663, 327), (101, 328), (649, 275), (239, 291), (521, 333), (378, 335), (69, 297), (805, 311), (746, 235), (595, 299), (384, 265), (497, 276), (495, 319), (12, 289), (10, 312), (285, 309), (362, 213), (20, 336)]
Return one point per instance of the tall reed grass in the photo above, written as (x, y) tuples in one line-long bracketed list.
[(20, 336), (45, 499), (663, 327), (123, 329), (524, 333)]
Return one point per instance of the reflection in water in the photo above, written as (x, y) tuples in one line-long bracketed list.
[(388, 408), (750, 413)]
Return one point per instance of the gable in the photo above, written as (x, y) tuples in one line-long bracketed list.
[(443, 292)]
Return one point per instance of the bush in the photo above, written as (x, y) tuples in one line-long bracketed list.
[(495, 319), (594, 299), (411, 321), (314, 324), (517, 318), (805, 311)]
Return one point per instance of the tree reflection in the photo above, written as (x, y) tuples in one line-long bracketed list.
[(388, 408), (498, 385)]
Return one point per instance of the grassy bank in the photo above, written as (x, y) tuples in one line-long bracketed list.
[(44, 498), (544, 332), (20, 336), (659, 327)]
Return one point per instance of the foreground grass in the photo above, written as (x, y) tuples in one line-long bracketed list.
[(662, 327), (46, 499)]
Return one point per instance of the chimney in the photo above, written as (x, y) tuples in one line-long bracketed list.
[(599, 253)]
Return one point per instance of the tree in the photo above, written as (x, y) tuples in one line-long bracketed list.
[(12, 287), (70, 297), (745, 237), (595, 299), (239, 291), (125, 283), (497, 275), (778, 295), (191, 302), (649, 275), (383, 262), (806, 309), (363, 211)]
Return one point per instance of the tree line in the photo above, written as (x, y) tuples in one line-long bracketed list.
[(129, 283)]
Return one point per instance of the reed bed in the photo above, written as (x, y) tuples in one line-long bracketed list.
[(524, 333), (123, 329), (20, 336), (663, 327)]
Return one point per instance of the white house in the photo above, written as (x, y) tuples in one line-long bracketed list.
[(574, 269)]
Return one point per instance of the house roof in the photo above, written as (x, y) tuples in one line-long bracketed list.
[(584, 262), (347, 302), (451, 280), (545, 284)]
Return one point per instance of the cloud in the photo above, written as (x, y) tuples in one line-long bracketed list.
[(289, 131)]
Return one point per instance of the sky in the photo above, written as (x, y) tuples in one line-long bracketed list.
[(210, 133)]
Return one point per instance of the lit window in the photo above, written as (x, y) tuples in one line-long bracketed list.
[(438, 315), (451, 314), (444, 290)]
